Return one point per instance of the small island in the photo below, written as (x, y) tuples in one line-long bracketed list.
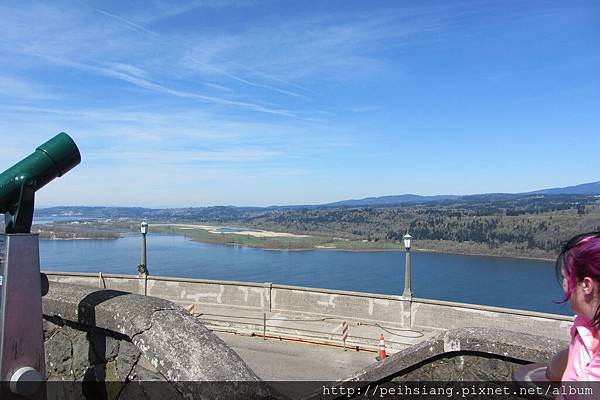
[(76, 230)]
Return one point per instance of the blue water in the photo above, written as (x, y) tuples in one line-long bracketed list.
[(503, 282)]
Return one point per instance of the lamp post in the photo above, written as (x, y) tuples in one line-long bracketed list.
[(407, 292), (143, 267)]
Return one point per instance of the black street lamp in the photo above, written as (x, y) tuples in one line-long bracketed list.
[(143, 267), (407, 292)]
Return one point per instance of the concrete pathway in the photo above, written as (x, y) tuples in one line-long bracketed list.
[(281, 360), (297, 369)]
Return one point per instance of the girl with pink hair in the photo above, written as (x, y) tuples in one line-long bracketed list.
[(578, 265)]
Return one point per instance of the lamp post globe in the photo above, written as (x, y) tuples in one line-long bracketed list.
[(407, 239), (144, 227)]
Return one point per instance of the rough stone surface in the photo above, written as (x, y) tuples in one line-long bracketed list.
[(461, 355), (80, 357), (127, 360), (463, 367), (104, 348), (58, 356), (80, 353), (49, 329), (470, 350), (147, 385), (117, 340)]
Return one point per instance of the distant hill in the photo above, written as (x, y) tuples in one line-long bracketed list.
[(225, 213), (584, 188), (93, 212), (392, 200)]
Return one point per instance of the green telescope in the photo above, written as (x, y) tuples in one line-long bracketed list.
[(19, 183)]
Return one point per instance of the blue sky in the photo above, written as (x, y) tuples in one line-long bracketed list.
[(274, 102)]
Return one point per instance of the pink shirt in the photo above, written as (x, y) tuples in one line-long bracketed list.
[(583, 364)]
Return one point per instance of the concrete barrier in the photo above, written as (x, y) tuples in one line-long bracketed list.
[(397, 310), (451, 315), (230, 293), (337, 303)]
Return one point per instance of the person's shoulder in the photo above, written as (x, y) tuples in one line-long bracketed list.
[(584, 328), (577, 322), (581, 320)]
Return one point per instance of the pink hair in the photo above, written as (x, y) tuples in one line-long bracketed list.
[(580, 258)]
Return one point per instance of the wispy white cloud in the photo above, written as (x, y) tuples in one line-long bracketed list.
[(218, 87), (336, 46), (245, 107), (134, 75), (131, 24), (129, 135), (99, 48), (230, 155), (246, 69), (212, 68), (13, 87), (364, 109)]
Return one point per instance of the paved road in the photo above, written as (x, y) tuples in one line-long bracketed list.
[(280, 360)]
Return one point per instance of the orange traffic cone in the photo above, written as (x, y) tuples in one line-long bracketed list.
[(382, 354), (191, 308)]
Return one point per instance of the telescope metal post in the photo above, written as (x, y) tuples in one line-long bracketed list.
[(22, 359)]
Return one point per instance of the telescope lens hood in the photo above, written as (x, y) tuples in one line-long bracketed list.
[(63, 151)]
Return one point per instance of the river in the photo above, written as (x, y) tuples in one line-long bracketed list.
[(502, 282)]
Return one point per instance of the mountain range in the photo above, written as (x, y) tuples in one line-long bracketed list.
[(592, 188), (233, 212)]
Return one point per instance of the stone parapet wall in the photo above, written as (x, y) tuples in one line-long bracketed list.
[(462, 367), (336, 303), (79, 355), (476, 357), (451, 315), (104, 335), (483, 349)]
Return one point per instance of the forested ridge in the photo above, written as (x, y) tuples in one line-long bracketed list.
[(533, 226)]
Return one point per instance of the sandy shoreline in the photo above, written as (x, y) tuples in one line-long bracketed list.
[(254, 233), (263, 233)]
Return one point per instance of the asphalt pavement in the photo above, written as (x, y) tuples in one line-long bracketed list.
[(287, 361), (282, 360)]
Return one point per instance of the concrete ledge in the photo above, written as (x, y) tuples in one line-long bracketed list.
[(342, 292), (152, 277), (208, 281), (172, 340), (456, 315), (502, 310)]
